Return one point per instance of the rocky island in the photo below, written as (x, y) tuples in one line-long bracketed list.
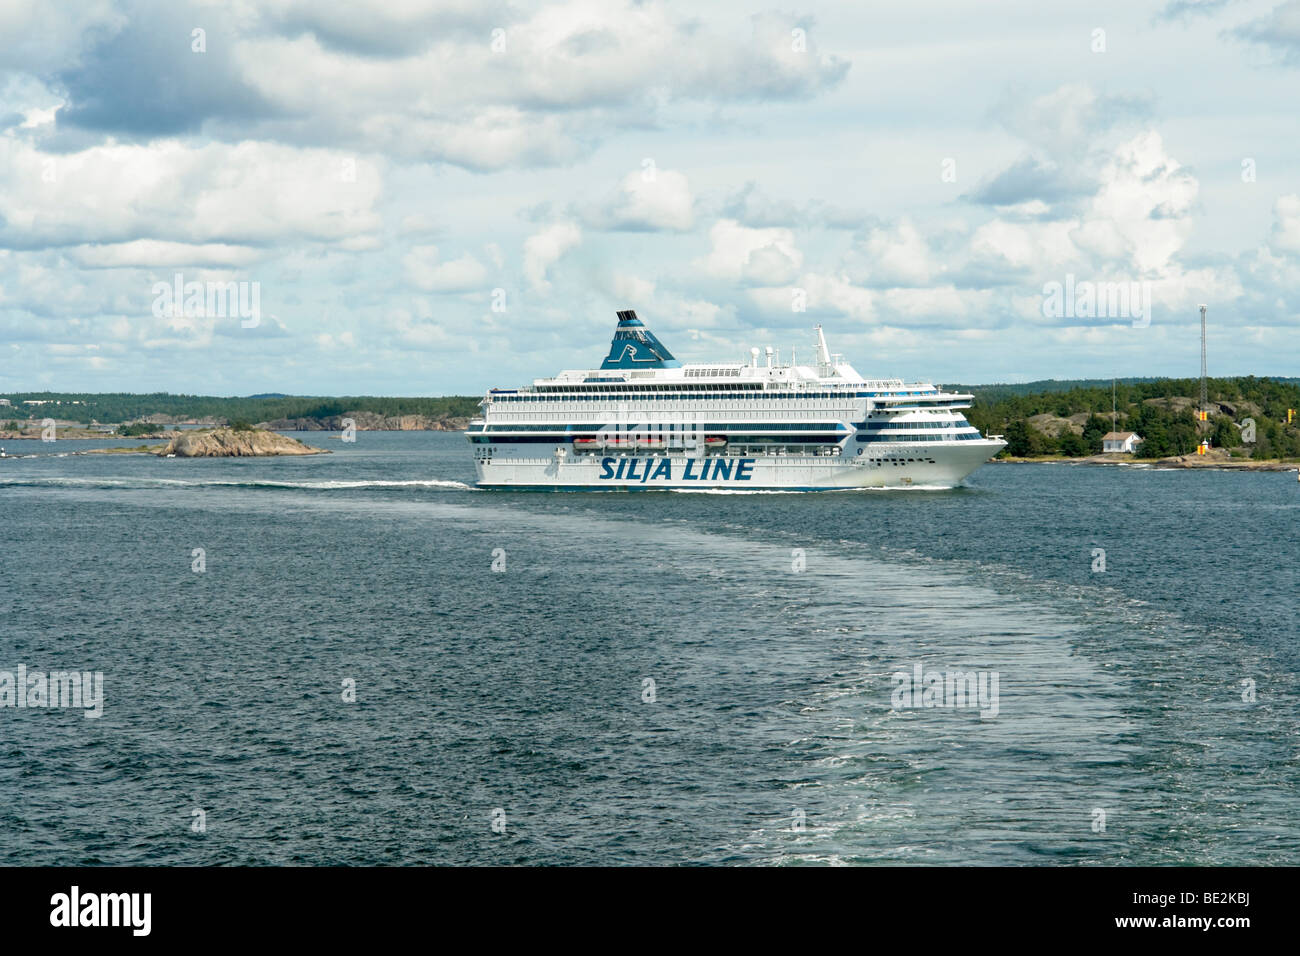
[(235, 443)]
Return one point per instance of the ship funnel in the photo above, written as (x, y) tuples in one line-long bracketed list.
[(635, 346)]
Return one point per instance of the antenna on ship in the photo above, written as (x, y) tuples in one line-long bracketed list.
[(823, 354), (1205, 396)]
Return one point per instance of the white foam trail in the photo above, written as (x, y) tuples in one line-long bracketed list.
[(794, 491), (117, 482), (732, 491), (335, 485)]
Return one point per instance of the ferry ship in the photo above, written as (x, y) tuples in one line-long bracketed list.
[(645, 421)]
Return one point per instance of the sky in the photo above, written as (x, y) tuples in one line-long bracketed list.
[(437, 198)]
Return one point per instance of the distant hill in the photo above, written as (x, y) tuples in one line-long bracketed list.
[(1044, 386), (111, 407)]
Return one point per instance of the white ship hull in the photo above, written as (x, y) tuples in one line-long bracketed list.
[(938, 465)]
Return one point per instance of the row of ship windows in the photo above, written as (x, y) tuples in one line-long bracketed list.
[(666, 397), (869, 428), (735, 439), (709, 427), (873, 426), (668, 393), (972, 435), (622, 387), (814, 439), (897, 461)]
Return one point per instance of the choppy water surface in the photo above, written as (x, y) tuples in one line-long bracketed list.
[(770, 626)]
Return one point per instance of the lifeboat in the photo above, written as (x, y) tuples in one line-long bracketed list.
[(714, 441), (586, 444)]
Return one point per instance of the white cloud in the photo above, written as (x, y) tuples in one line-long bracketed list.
[(1134, 224), (156, 254), (825, 294), (944, 306), (1142, 213), (897, 255), (632, 289), (252, 193), (344, 340), (1024, 246), (424, 271), (650, 200), (1067, 122), (543, 249), (1286, 223), (759, 256), (394, 27), (569, 73)]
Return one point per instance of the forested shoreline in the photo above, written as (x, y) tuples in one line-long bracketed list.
[(1248, 415)]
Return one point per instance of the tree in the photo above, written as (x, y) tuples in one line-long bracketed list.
[(1073, 445), (1225, 434), (1017, 436), (1023, 441), (1093, 432)]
